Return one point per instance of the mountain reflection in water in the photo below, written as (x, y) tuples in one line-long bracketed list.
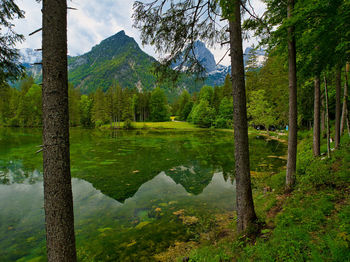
[(127, 189)]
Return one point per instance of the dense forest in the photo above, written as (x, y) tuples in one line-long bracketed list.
[(22, 108), (267, 102)]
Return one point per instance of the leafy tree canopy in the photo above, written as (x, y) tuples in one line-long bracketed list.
[(9, 67)]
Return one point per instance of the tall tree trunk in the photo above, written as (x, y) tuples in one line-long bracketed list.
[(345, 100), (244, 198), (347, 121), (327, 117), (337, 106), (58, 200), (293, 125), (316, 140), (323, 114)]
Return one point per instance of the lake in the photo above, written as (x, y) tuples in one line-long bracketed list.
[(135, 192)]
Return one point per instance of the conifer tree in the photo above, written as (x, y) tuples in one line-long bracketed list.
[(58, 199), (10, 69)]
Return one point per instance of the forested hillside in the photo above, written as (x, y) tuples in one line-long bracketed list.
[(116, 60), (119, 60)]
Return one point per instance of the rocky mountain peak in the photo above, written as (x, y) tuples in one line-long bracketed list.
[(203, 55)]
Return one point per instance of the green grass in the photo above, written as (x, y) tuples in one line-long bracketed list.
[(158, 125), (182, 125), (310, 224)]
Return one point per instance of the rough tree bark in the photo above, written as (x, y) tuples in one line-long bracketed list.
[(327, 118), (293, 126), (58, 200), (337, 106), (345, 100), (316, 138), (244, 199)]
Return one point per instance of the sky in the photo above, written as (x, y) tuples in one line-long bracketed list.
[(94, 21)]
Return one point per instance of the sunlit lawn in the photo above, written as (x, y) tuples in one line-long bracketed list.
[(157, 125)]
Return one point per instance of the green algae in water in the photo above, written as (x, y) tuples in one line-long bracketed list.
[(126, 187)]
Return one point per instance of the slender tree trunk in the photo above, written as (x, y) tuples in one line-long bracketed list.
[(323, 114), (337, 106), (293, 125), (316, 140), (347, 121), (244, 198), (345, 100), (58, 200), (327, 117)]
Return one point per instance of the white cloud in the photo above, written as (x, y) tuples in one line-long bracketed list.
[(94, 21)]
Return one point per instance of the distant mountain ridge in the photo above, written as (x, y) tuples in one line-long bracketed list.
[(118, 59)]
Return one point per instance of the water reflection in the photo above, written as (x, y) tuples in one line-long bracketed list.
[(22, 215), (126, 189)]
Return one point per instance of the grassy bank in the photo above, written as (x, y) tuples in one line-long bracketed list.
[(156, 125), (181, 125), (310, 224)]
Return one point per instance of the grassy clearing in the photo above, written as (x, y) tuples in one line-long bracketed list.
[(180, 125), (310, 224), (158, 125)]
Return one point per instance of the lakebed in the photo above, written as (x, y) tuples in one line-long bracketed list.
[(135, 192)]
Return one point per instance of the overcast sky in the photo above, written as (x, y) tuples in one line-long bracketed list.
[(94, 21)]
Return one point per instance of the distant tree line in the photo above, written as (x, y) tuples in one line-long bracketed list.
[(23, 107), (267, 102)]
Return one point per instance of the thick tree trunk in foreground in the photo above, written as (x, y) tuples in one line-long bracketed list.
[(345, 100), (316, 140), (327, 118), (60, 240), (337, 106), (244, 198), (293, 125)]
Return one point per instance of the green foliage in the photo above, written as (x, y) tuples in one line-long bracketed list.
[(7, 102), (206, 93), (212, 107), (128, 124), (85, 108), (260, 110), (99, 108), (159, 110), (74, 110), (185, 105), (224, 119), (128, 110), (10, 69), (270, 83), (21, 108), (209, 255), (202, 114), (186, 110)]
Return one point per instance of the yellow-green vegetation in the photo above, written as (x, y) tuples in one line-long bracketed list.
[(157, 125), (310, 224)]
